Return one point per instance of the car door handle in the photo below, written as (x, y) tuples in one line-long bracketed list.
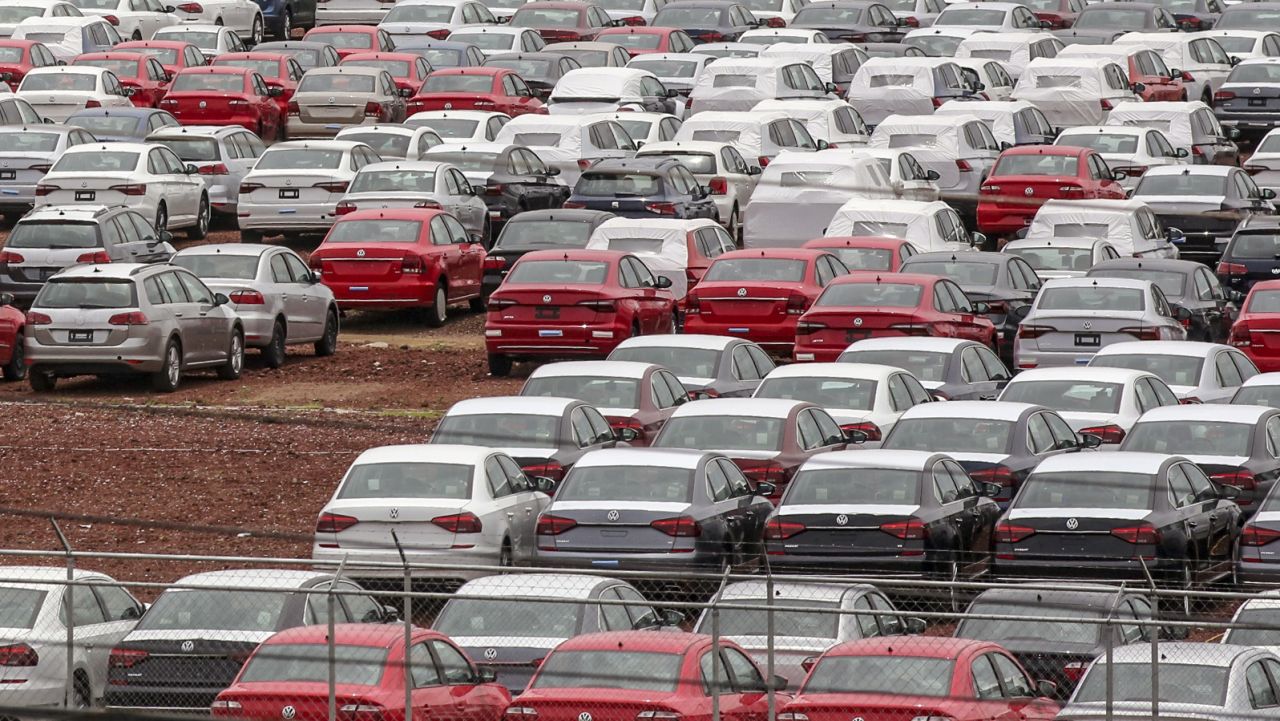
[(528, 511), (1193, 524), (177, 315)]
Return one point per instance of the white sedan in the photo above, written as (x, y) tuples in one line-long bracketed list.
[(860, 397), (1197, 372), (296, 186), (1129, 148), (418, 184), (213, 40), (58, 91), (243, 17), (15, 11), (772, 36), (460, 126), (1102, 402), (146, 177), (434, 18), (134, 19)]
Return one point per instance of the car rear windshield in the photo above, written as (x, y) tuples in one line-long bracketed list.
[(1182, 185), (1176, 370), (1101, 142), (733, 80), (484, 41), (684, 362), (825, 16), (28, 142), (950, 435), (697, 163), (408, 480), (776, 270), (1055, 258), (442, 57), (971, 17), (1255, 246), (863, 258), (191, 150), (962, 272), (527, 68), (299, 159), (386, 145), (96, 162), (628, 670), (1057, 81), (536, 17), (856, 394), (1170, 283), (210, 265), (1246, 19), (633, 5), (87, 293), (558, 271), (1112, 19), (871, 295), (531, 234), (265, 68), (924, 365), (457, 83), (988, 629), (202, 40), (1066, 395), (1265, 301), (809, 623), (737, 433), (464, 616), (1088, 489), (122, 68), (309, 663), (497, 429), (375, 231), (395, 68), (645, 484), (667, 68), (20, 607), (588, 58), (1036, 164), (619, 184), (880, 675), (15, 15), (1254, 74), (1195, 438), (879, 227), (854, 487), (344, 40), (599, 391), (769, 6), (1268, 617), (535, 139), (54, 236), (1199, 684), (936, 45), (447, 127), (308, 58), (420, 13), (214, 610), (690, 17), (1092, 298), (336, 83), (105, 124), (1263, 395), (59, 81), (209, 82), (394, 181)]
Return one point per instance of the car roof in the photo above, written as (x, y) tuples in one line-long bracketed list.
[(643, 458), (674, 340), (1044, 149), (1117, 462), (241, 249), (1190, 348), (1263, 379), (524, 405), (937, 345), (1165, 264), (1185, 653), (1045, 600), (343, 145), (745, 407), (1191, 170), (1095, 281), (1081, 373), (109, 271), (277, 578), (792, 591), (1211, 412), (552, 585), (73, 212), (977, 410), (21, 574), (130, 112), (425, 453), (612, 369), (578, 215), (350, 70), (643, 163), (834, 370), (872, 458)]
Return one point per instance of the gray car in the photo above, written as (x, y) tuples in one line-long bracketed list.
[(950, 368), (1102, 23), (280, 301), (125, 125), (330, 99), (709, 366), (130, 318), (26, 154), (222, 154)]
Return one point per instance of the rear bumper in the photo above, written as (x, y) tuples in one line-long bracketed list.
[(1109, 569), (23, 292), (382, 296), (34, 693), (998, 220), (135, 355), (630, 561), (162, 699), (582, 341), (1253, 566), (911, 566), (258, 326), (293, 218), (301, 130), (17, 197), (1261, 122), (1027, 358), (445, 558), (777, 336), (818, 353)]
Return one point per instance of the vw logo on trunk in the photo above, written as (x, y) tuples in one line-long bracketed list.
[(203, 105), (490, 653), (842, 520), (1257, 91), (1087, 325), (395, 513), (584, 716), (857, 321), (360, 253), (288, 712), (1072, 524), (331, 100), (612, 515), (1029, 192), (742, 292), (546, 299), (448, 106), (188, 646)]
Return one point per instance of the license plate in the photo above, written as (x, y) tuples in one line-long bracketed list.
[(1088, 339), (550, 333), (80, 336), (289, 194), (546, 312), (8, 174), (85, 195), (853, 335), (1257, 102)]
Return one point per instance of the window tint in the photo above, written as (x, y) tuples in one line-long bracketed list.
[(985, 682)]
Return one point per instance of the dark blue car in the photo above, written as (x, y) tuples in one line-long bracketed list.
[(125, 125), (282, 16), (643, 188), (1252, 254), (441, 53)]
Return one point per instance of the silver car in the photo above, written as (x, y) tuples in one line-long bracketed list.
[(26, 154), (330, 99), (279, 300), (295, 187), (709, 366), (128, 318), (418, 184), (223, 155)]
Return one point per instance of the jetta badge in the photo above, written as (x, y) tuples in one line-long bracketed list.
[(490, 653), (842, 520), (395, 513), (612, 515), (288, 712), (857, 322), (1029, 192), (360, 253), (742, 292), (546, 299), (203, 105), (1072, 524), (188, 646)]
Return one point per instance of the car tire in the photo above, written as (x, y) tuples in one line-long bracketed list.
[(255, 35), (286, 26), (486, 233), (16, 368), (251, 236), (42, 381), (438, 311), (82, 696), (162, 217), (328, 343), (231, 370), (204, 215), (166, 379), (505, 557), (273, 354), (499, 365), (735, 227)]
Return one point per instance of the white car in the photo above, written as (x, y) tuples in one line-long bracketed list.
[(1102, 402), (940, 41), (296, 186), (966, 139), (147, 177), (460, 126), (569, 142), (834, 121), (15, 11), (213, 40), (134, 19), (1260, 390), (393, 142), (1245, 44), (645, 128), (772, 36), (1062, 257), (418, 184), (628, 9), (280, 301), (997, 84), (908, 177), (860, 397), (434, 18), (502, 39), (1200, 57), (996, 17), (243, 17), (717, 165), (1264, 164), (929, 226), (677, 71), (449, 505), (1261, 610), (350, 12), (1073, 91), (1012, 50), (68, 36), (1197, 372), (59, 91), (224, 154), (1130, 149)]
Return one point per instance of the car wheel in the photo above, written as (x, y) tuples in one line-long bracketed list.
[(505, 559), (286, 26), (167, 378), (255, 36), (230, 370), (438, 313), (162, 217), (735, 228), (16, 369), (486, 233), (82, 696), (328, 343), (499, 365), (274, 353), (635, 328), (201, 229), (476, 304), (42, 381), (676, 325), (251, 236)]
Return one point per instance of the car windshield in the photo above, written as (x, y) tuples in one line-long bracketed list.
[(589, 58), (121, 68), (869, 295), (1036, 164), (636, 41), (864, 258), (628, 670), (772, 270), (54, 235), (470, 83), (87, 294), (1246, 19), (309, 663), (734, 433), (464, 616), (214, 610), (28, 142), (532, 234), (853, 487), (42, 82), (420, 13), (408, 480), (1031, 628), (394, 68), (525, 67), (599, 391), (950, 435), (827, 16), (265, 68), (531, 16), (645, 484), (856, 394), (786, 624), (443, 57), (961, 271), (336, 83), (684, 362), (1198, 684), (1112, 19), (105, 124), (385, 144), (299, 159), (1094, 298), (219, 265), (1267, 617), (619, 184), (1255, 246), (1101, 142), (687, 17), (1261, 395), (208, 82), (20, 607), (485, 41), (1193, 438), (1170, 282), (970, 16), (1067, 395), (1088, 490), (927, 366), (1055, 258), (394, 181), (498, 429), (667, 69), (558, 271), (1176, 370), (880, 675), (191, 150), (447, 127), (15, 15), (1180, 184), (202, 40), (375, 231)]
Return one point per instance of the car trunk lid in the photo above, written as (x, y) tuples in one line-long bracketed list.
[(409, 518), (849, 531), (615, 526)]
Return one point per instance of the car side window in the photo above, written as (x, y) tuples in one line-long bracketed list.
[(918, 393), (173, 288), (1039, 437), (499, 484), (604, 433), (985, 682), (827, 426), (1228, 374), (738, 484), (116, 602), (1261, 693), (1145, 396), (746, 676), (197, 290), (972, 369), (717, 482), (1273, 436), (361, 608), (744, 369), (298, 270), (421, 667), (1180, 491), (1244, 366), (661, 392), (899, 398), (1014, 679), (964, 484), (85, 608), (279, 269), (155, 293), (614, 617), (454, 667), (1063, 437), (944, 486), (994, 367), (515, 475), (1201, 486), (866, 618), (583, 433), (810, 436)]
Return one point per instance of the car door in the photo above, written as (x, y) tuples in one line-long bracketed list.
[(184, 198), (644, 293), (121, 612), (969, 325), (953, 526), (187, 314), (474, 211), (530, 503), (315, 306), (1020, 692), (1220, 514), (974, 372), (748, 683), (214, 322), (988, 694), (1188, 518), (469, 263), (293, 300), (981, 513), (726, 510), (92, 631), (504, 512), (469, 699), (1223, 382)]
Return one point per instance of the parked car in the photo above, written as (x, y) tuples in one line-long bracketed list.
[(295, 187), (222, 155), (330, 99), (708, 366), (1260, 390), (173, 55), (642, 188), (866, 253), (1062, 257), (30, 150), (540, 71), (563, 21), (949, 368), (863, 397), (635, 398), (537, 230), (1205, 202), (1258, 555), (1041, 172), (489, 89), (1102, 24), (1195, 372), (1185, 284), (18, 57), (406, 69), (351, 39), (420, 184), (226, 96), (1102, 402), (212, 39), (707, 21), (308, 54), (59, 91), (278, 70), (134, 69)]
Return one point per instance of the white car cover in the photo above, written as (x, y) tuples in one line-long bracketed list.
[(821, 183), (941, 135), (63, 36), (928, 158), (736, 84), (818, 117), (907, 219), (1067, 90), (557, 139), (746, 132), (597, 90), (997, 115), (885, 86), (817, 55), (662, 244), (1013, 50), (1172, 119), (1115, 221)]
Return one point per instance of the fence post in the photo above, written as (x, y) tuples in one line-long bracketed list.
[(1110, 677), (769, 640), (408, 628), (69, 687), (715, 661), (332, 642), (1155, 667)]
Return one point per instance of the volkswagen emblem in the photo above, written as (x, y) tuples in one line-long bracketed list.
[(1029, 192), (612, 515), (84, 185), (1275, 271), (546, 299), (288, 712), (288, 181), (188, 646), (1072, 524), (857, 322), (395, 513), (857, 718), (490, 653), (842, 520), (360, 253), (331, 100), (448, 106), (615, 203), (742, 292), (1257, 91), (1087, 325), (4, 164), (584, 716), (203, 105)]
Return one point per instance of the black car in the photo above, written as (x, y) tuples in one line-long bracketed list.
[(1252, 254), (1263, 16), (1205, 203), (1193, 15), (1186, 284), (892, 50), (540, 70), (951, 368), (509, 178), (1119, 516), (935, 42), (854, 21), (1102, 23), (537, 230), (878, 510), (643, 188), (1249, 99), (1003, 281), (308, 54), (707, 21), (441, 53)]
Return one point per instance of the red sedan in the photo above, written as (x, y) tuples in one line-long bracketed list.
[(225, 96), (1024, 178), (878, 305), (290, 671), (759, 294), (643, 675), (643, 40), (476, 88), (407, 258), (174, 55), (1060, 14), (351, 39), (19, 56), (1257, 330), (279, 70), (407, 69), (136, 70), (636, 398), (11, 347), (866, 252), (1159, 86), (574, 304), (922, 677), (562, 21)]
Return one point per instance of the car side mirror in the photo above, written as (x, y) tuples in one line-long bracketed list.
[(932, 175), (545, 485), (856, 437), (1229, 493), (1234, 61), (673, 93), (388, 614), (552, 172), (1181, 313), (915, 625), (1180, 153), (978, 240), (753, 170), (823, 145), (405, 92), (62, 62), (831, 87), (671, 616), (131, 613), (1046, 688), (1046, 25), (1020, 313), (220, 299), (1005, 145), (486, 675), (1233, 133), (765, 489), (1234, 296), (1175, 633), (1139, 88), (164, 235), (275, 92), (626, 435), (981, 307), (662, 281), (1119, 175), (128, 92), (1268, 194), (1175, 74), (1088, 440), (808, 663), (191, 169), (170, 9), (6, 299), (988, 490)]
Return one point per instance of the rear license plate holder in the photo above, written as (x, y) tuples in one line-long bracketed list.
[(1089, 340), (854, 335), (550, 333), (80, 336), (546, 312), (86, 195), (289, 194), (8, 174), (1257, 102)]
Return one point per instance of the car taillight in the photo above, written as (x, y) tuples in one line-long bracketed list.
[(692, 305), (1000, 475), (763, 160), (775, 22), (599, 306), (361, 712), (1257, 535), (520, 713), (963, 166), (126, 657), (574, 204), (584, 163), (7, 257), (43, 189), (779, 530), (439, 33), (429, 205), (170, 102), (548, 469), (937, 101), (719, 186), (1240, 335), (18, 654), (373, 109), (1109, 433), (136, 317), (712, 36), (549, 525), (40, 167), (500, 303), (495, 262), (92, 104), (130, 188), (36, 318), (867, 427), (237, 102), (1244, 480), (1189, 401), (215, 169), (1144, 332), (194, 8), (96, 257), (1106, 105), (807, 327), (661, 208), (1011, 533), (1141, 535), (343, 207), (247, 297), (466, 522), (1074, 670), (1223, 95), (678, 526), (293, 108), (334, 523), (225, 707), (337, 186), (764, 472), (807, 665), (797, 304), (1133, 171), (112, 19), (1223, 268), (411, 264), (1071, 191), (911, 529), (911, 328), (250, 187), (495, 189)]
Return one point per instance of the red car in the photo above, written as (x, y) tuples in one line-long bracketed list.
[(866, 252), (174, 55), (562, 21), (289, 670), (351, 39), (670, 683), (1024, 178), (1159, 86), (878, 305), (574, 304), (1257, 331), (636, 398), (136, 70), (279, 70), (759, 294), (225, 96), (920, 677), (643, 40), (12, 351), (19, 56), (1060, 14), (407, 69), (476, 88), (405, 258)]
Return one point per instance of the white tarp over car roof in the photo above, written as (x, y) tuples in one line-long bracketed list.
[(744, 131), (1114, 221), (907, 219), (817, 55), (47, 30), (596, 90), (998, 115), (1067, 90), (1013, 50), (884, 86), (663, 244), (820, 183), (1172, 119), (737, 83)]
